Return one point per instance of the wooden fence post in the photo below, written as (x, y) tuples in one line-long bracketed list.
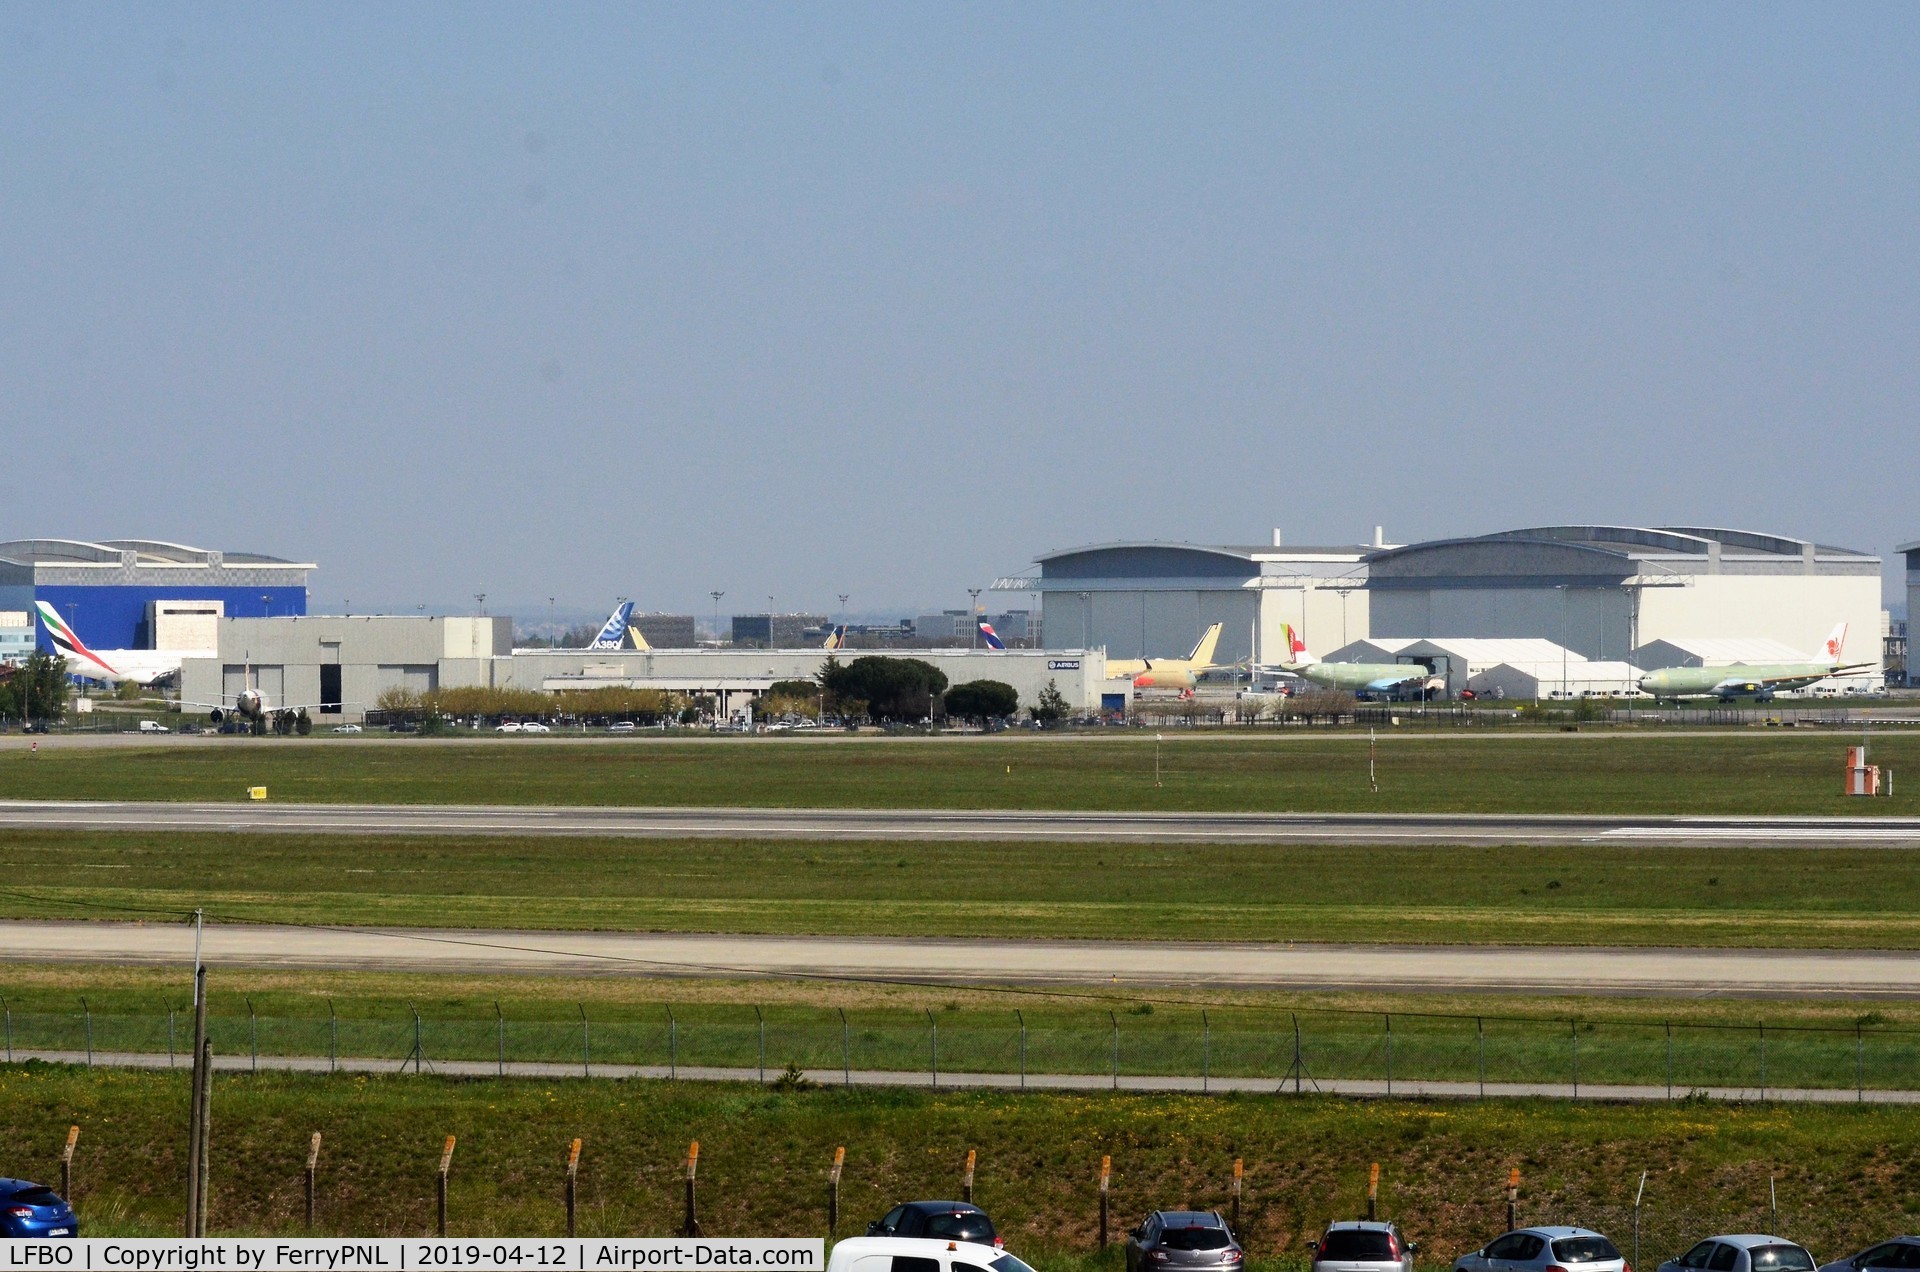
[(204, 1153), (440, 1183), (833, 1192), (1373, 1190), (312, 1178), (691, 1226), (966, 1179), (573, 1177), (1106, 1174), (1513, 1198), (1239, 1169), (66, 1164)]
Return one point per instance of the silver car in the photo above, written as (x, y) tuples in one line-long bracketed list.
[(1901, 1252), (1537, 1249), (1360, 1245), (1744, 1252)]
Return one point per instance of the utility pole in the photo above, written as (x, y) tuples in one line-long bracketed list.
[(716, 614), (480, 601), (843, 608), (973, 617)]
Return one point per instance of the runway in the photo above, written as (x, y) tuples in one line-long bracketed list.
[(939, 824), (1758, 973)]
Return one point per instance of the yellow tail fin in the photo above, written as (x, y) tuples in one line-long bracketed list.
[(1202, 655)]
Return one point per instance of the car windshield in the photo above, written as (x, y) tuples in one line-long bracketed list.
[(1780, 1258), (1584, 1250), (41, 1195), (966, 1227), (1007, 1263), (1363, 1245), (1195, 1238)]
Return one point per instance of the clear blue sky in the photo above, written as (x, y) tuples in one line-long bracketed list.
[(797, 300)]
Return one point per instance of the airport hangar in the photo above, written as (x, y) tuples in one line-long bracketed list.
[(1612, 594), (339, 666), (142, 593)]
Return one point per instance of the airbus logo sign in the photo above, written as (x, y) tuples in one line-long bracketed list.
[(1063, 664)]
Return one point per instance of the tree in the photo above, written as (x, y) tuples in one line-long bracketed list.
[(1051, 706), (896, 689), (982, 700), (36, 689)]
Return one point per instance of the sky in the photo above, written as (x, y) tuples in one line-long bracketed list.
[(799, 300)]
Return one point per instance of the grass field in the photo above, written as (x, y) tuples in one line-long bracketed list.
[(1841, 1172), (743, 1023), (1749, 772), (1592, 894)]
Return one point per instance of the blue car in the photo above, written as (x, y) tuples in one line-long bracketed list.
[(34, 1211)]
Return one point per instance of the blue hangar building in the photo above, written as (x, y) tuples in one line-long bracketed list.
[(143, 593)]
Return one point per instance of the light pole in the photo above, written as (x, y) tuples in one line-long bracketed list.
[(716, 615), (1562, 589), (973, 616), (843, 608), (553, 632), (1086, 619), (480, 602)]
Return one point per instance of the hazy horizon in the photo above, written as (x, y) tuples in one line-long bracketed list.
[(884, 300)]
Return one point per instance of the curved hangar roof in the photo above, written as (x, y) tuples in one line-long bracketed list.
[(116, 551), (1592, 554)]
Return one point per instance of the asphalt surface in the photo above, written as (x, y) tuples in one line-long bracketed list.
[(1307, 1084), (934, 824), (1448, 969)]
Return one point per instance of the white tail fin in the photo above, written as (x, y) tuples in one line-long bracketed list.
[(1296, 645), (1836, 642)]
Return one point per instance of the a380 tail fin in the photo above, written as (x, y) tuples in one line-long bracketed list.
[(991, 637), (1836, 642), (614, 634), (1202, 655)]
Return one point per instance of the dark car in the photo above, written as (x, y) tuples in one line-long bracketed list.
[(1183, 1239), (942, 1220), (34, 1211)]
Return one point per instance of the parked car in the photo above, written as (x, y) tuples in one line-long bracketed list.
[(622, 726), (1362, 1246), (34, 1211), (509, 726), (918, 1254), (947, 1220), (1901, 1252), (346, 728), (403, 726), (1537, 1249), (1183, 1239), (534, 726), (1744, 1252)]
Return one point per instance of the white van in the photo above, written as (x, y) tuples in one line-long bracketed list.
[(919, 1254), (152, 726)]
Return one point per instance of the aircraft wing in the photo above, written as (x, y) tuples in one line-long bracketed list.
[(1777, 682), (1394, 682)]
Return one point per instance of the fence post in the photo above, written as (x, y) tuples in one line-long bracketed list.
[(170, 1061), (419, 1046), (87, 1013), (586, 1044), (196, 1108), (1763, 1067), (333, 1039), (1023, 1047), (440, 1183), (573, 1177), (1773, 1206), (1513, 1198), (1206, 1050), (761, 1021), (1669, 1025), (253, 1036), (846, 1051), (1116, 1049), (1296, 1053), (499, 1039), (66, 1164), (691, 1227), (1239, 1167), (833, 1192), (1480, 1032), (1573, 1031), (1859, 1064), (966, 1179), (1106, 1173), (1637, 1195), (1373, 1190), (8, 1009), (1389, 1018), (933, 1044), (204, 1153), (312, 1177), (673, 1045)]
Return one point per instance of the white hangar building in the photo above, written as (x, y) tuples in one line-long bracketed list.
[(1609, 592)]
